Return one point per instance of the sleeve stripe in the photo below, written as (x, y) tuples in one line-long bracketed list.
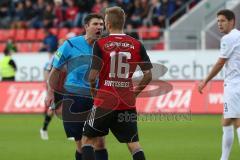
[(70, 43)]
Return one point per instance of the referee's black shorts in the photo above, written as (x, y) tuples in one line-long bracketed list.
[(122, 123), (58, 97), (74, 114)]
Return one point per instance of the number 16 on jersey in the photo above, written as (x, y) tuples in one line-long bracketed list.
[(121, 66)]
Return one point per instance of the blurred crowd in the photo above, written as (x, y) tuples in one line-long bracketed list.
[(70, 13)]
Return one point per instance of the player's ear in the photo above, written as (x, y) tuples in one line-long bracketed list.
[(86, 26), (106, 24)]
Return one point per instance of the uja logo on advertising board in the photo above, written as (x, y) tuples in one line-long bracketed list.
[(24, 97)]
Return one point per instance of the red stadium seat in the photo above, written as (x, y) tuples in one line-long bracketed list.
[(36, 46), (8, 34), (40, 34), (54, 31), (20, 35), (62, 33), (154, 32), (143, 32), (2, 47), (31, 34), (11, 33), (2, 35), (23, 47)]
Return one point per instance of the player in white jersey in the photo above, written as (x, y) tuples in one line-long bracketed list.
[(230, 58)]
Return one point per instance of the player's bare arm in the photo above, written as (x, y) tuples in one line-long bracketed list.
[(215, 70), (53, 84), (147, 77), (92, 80), (46, 75)]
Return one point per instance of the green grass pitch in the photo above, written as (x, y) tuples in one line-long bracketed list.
[(195, 139)]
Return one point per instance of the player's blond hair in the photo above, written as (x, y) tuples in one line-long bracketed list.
[(116, 17)]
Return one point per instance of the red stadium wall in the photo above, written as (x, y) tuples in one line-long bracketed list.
[(184, 98), (28, 97), (22, 97)]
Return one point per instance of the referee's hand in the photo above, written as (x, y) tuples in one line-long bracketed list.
[(49, 99)]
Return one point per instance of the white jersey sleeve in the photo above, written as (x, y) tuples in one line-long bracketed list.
[(226, 48)]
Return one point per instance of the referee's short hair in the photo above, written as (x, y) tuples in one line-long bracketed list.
[(227, 13), (88, 18)]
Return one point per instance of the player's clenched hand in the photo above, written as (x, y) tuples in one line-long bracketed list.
[(201, 85)]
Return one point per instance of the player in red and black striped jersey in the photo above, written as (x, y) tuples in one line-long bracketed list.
[(116, 58)]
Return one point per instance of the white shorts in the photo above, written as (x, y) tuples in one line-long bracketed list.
[(231, 101)]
